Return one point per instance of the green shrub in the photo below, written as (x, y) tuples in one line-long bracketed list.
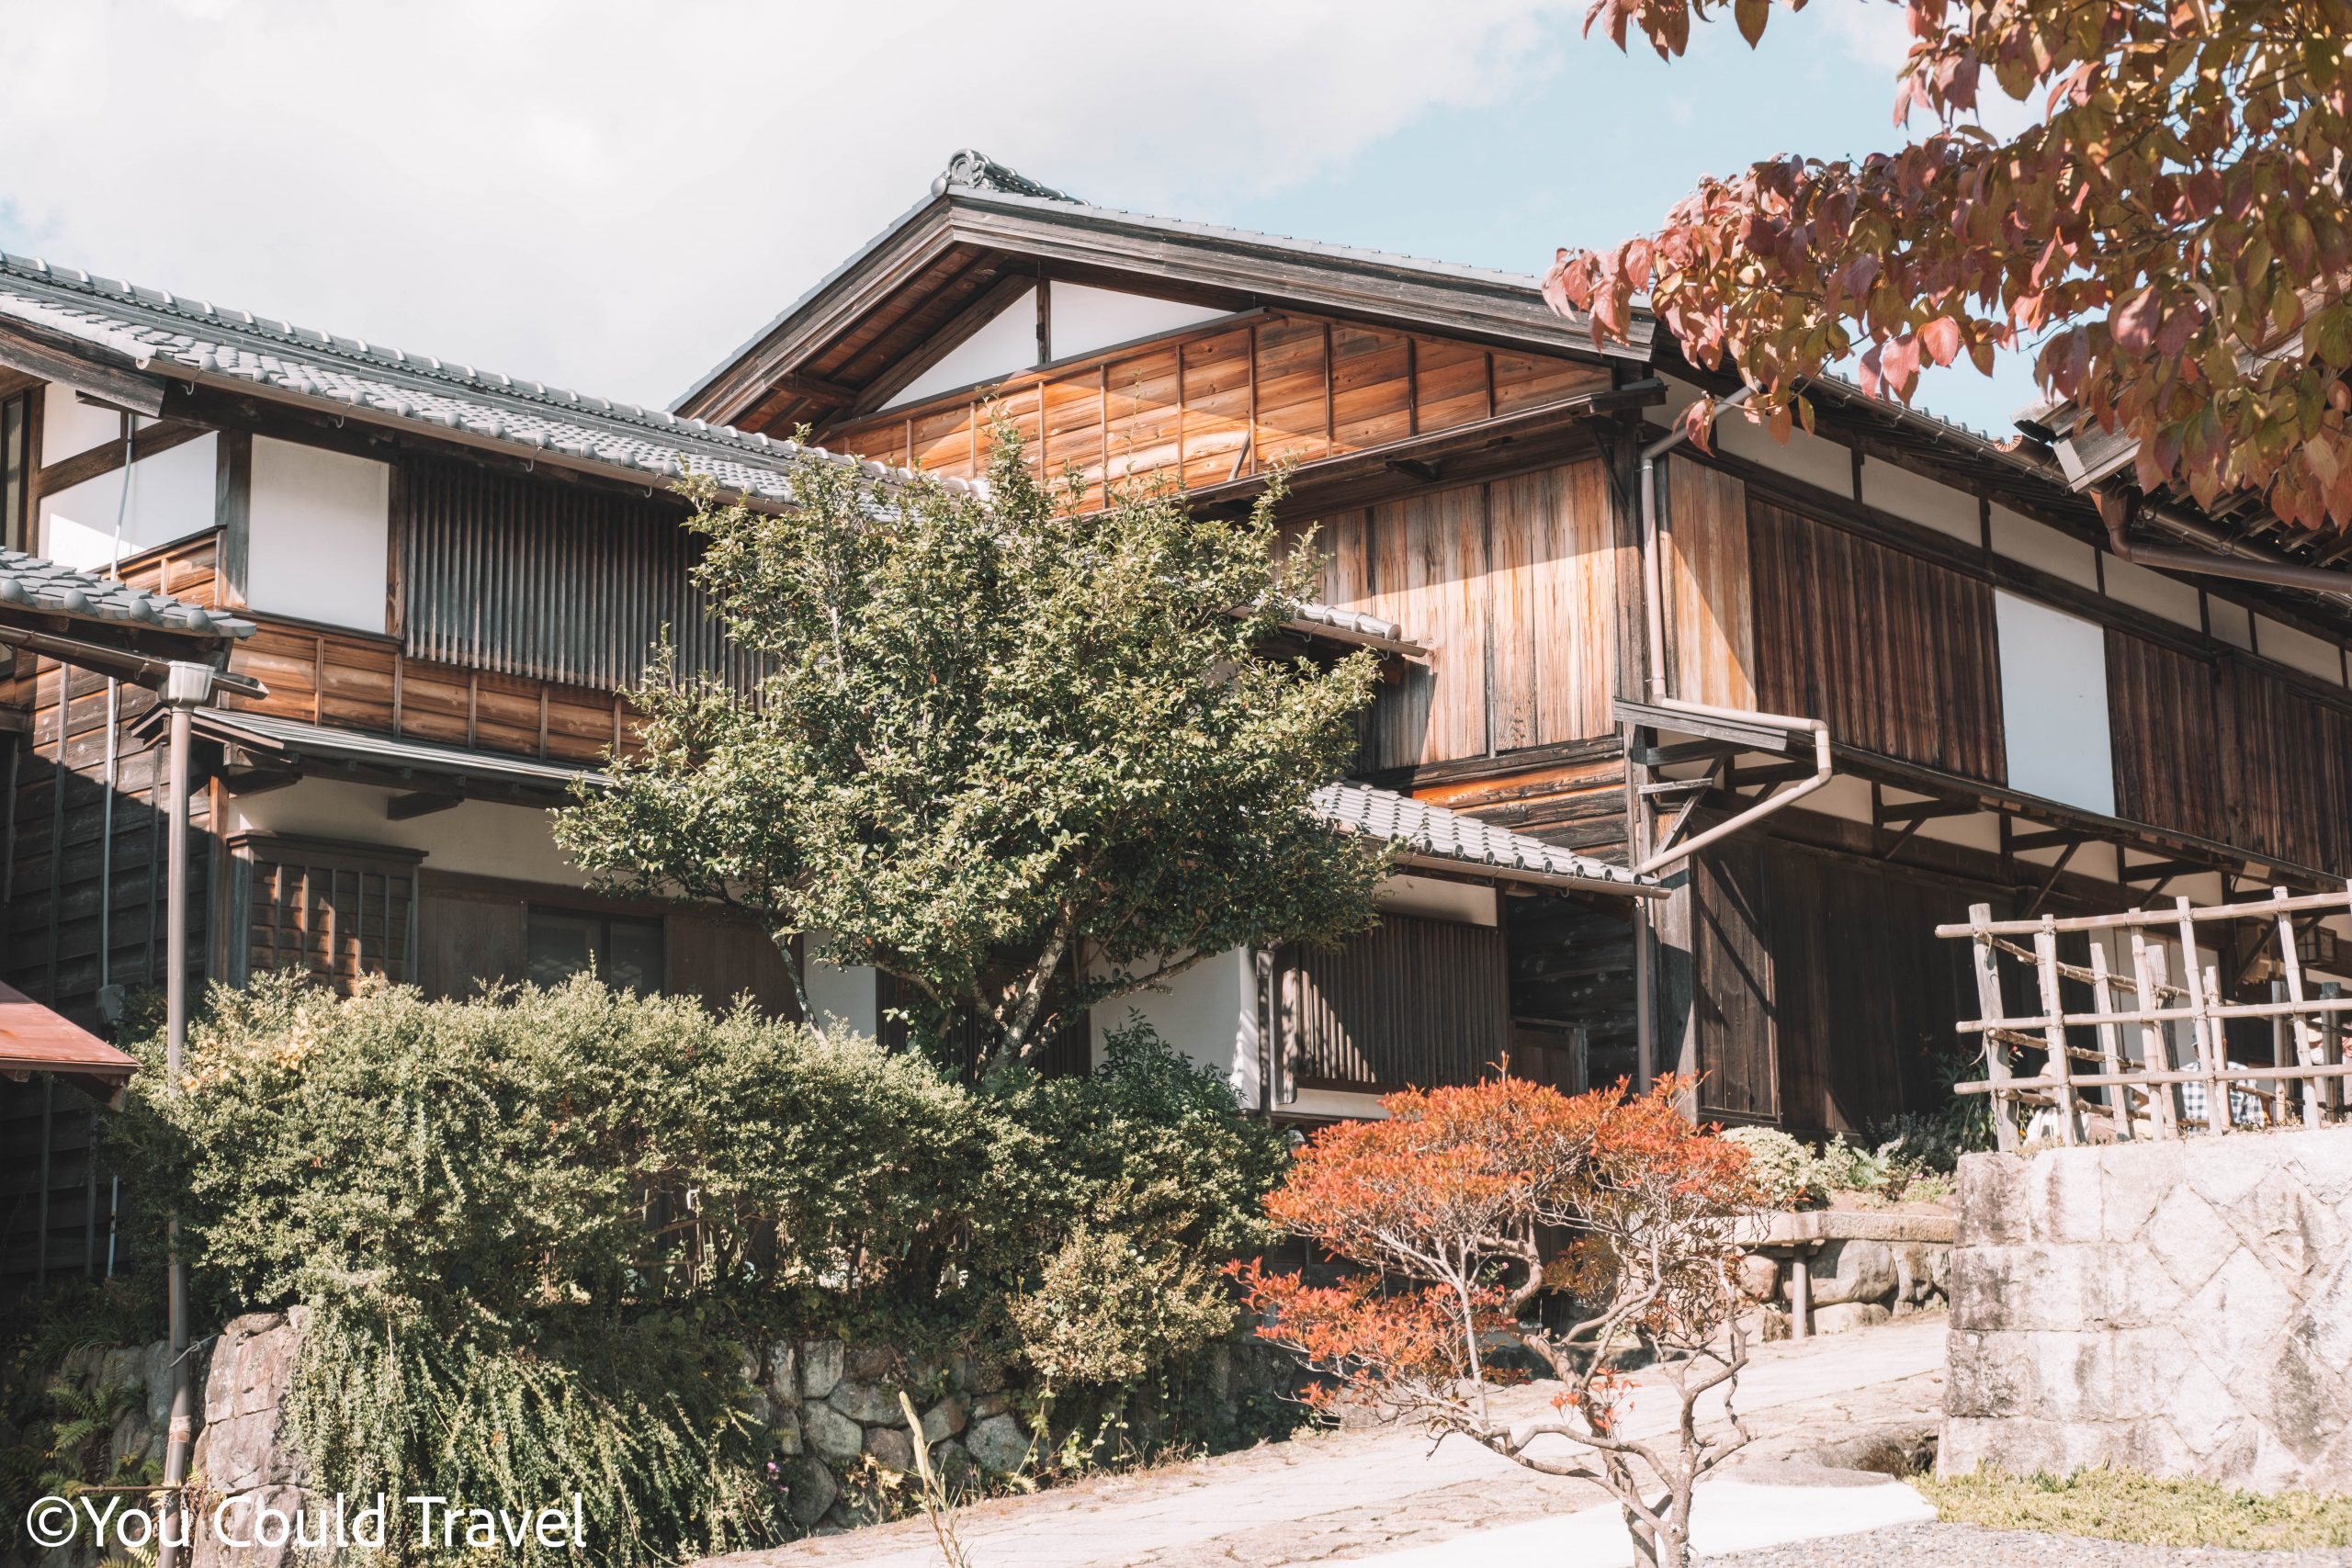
[(1781, 1166), (528, 1228)]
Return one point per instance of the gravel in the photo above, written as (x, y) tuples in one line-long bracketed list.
[(1972, 1546)]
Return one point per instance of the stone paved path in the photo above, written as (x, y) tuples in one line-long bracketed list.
[(1351, 1494)]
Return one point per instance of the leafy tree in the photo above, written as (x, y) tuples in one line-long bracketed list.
[(1003, 738), (1444, 1201), (2171, 230)]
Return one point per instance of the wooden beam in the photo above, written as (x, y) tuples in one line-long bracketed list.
[(816, 389), (26, 349), (1916, 811), (245, 782), (405, 808), (98, 461)]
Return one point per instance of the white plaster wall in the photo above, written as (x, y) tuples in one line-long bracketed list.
[(2154, 591), (70, 426), (846, 994), (1336, 1103), (1920, 499), (1084, 318), (2297, 649), (157, 500), (1816, 461), (1209, 1013), (2053, 703), (476, 837), (2045, 549), (1006, 343), (320, 529), (1465, 903), (2231, 623)]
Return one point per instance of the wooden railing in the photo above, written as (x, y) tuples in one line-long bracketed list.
[(2158, 1050)]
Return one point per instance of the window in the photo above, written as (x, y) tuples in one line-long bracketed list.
[(15, 468), (624, 953), (2053, 704)]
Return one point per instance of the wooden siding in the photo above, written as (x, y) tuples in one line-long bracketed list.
[(1824, 999), (1511, 585), (2227, 751), (1710, 613), (1897, 654), (569, 584), (1413, 1002), (1219, 402)]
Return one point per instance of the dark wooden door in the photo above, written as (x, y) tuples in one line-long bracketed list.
[(1735, 994)]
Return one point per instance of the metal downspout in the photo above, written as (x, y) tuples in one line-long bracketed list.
[(1653, 609)]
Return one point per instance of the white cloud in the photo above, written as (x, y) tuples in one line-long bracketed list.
[(613, 195)]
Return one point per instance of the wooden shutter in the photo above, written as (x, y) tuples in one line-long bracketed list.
[(1413, 1002), (718, 955), (468, 937), (335, 911)]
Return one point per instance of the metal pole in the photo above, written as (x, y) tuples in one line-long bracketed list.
[(188, 686)]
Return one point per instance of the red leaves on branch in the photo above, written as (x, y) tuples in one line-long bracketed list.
[(2170, 238)]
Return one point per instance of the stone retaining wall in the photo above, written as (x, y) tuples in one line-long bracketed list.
[(832, 1408), (1862, 1266), (2179, 1308)]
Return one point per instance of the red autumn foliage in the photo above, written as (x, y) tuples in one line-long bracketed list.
[(2168, 235), (1447, 1203)]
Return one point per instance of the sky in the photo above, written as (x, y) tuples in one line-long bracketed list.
[(612, 196)]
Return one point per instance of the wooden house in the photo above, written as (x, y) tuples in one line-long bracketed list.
[(447, 572)]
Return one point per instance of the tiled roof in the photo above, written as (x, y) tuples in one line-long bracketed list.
[(1437, 834), (159, 330), (192, 339), (31, 583), (295, 738)]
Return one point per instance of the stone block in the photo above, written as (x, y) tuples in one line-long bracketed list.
[(2064, 1188), (2188, 1238), (868, 1402), (988, 1404), (810, 1491), (784, 1373), (890, 1447), (999, 1444), (2224, 1171), (2303, 1401), (945, 1419), (2322, 1159), (2133, 1179), (1843, 1317), (1759, 1277), (2202, 1410), (821, 1364), (1853, 1271), (2241, 1310), (1992, 1200), (2324, 1322), (830, 1434), (785, 1427), (2292, 1233), (873, 1362)]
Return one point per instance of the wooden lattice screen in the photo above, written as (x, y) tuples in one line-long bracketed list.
[(2155, 1046), (335, 911)]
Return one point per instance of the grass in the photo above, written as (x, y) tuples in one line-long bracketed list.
[(2122, 1505)]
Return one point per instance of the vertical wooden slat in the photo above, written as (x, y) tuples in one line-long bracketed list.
[(2118, 1097), (1989, 1007), (2053, 1030)]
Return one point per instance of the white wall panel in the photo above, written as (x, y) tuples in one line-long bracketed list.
[(70, 426), (1921, 500), (2297, 649), (320, 528), (2044, 548), (153, 502), (1083, 319), (1008, 342), (2053, 704), (2154, 591)]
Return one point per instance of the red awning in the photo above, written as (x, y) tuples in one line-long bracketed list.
[(35, 1040)]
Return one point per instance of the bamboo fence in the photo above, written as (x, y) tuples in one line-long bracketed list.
[(2147, 1035)]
